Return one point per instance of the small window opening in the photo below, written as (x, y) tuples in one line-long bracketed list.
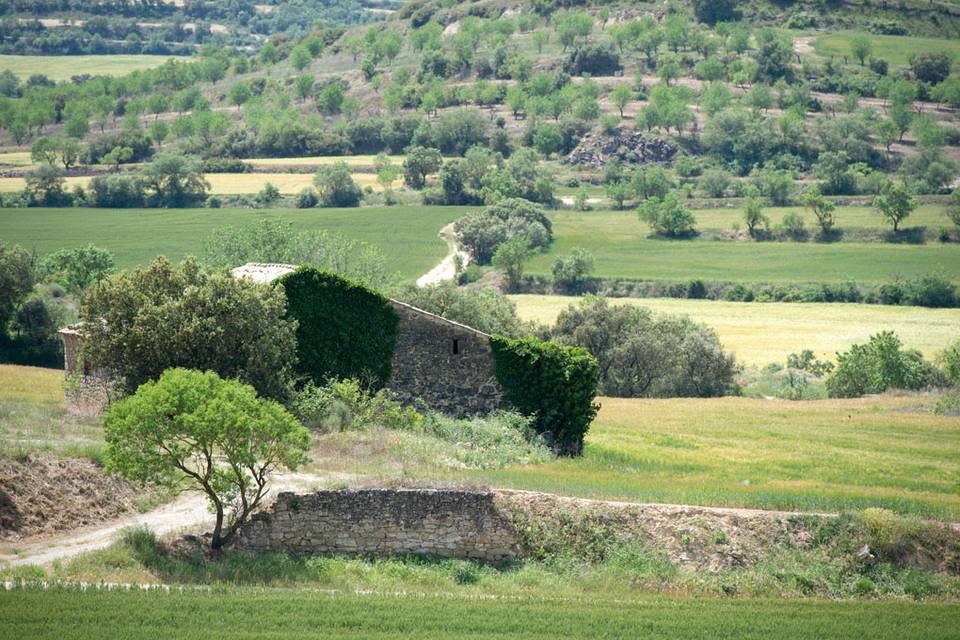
[(456, 346)]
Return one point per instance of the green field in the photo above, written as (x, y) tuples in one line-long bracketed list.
[(619, 242), (894, 49), (407, 234), (265, 613), (819, 455), (64, 67), (763, 332)]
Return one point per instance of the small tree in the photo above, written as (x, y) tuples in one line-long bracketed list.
[(510, 256), (419, 163), (622, 95), (953, 209), (194, 430), (175, 180), (239, 93), (821, 208), (387, 172), (895, 203), (78, 268), (861, 47), (753, 214), (569, 271), (667, 216)]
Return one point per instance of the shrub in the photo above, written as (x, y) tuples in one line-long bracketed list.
[(597, 59), (570, 270), (794, 226), (78, 268), (931, 290), (485, 309), (948, 404), (807, 361), (116, 192), (341, 405), (879, 365), (483, 232), (668, 216), (493, 441), (307, 198), (335, 186), (344, 329), (950, 361), (553, 383)]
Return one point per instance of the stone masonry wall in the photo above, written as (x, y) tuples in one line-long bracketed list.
[(446, 364), (377, 522)]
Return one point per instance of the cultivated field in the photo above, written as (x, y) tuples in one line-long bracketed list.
[(764, 332), (366, 161), (406, 234), (894, 49), (64, 67), (819, 455), (622, 248), (260, 613)]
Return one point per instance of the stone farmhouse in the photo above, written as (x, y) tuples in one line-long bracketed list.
[(447, 365)]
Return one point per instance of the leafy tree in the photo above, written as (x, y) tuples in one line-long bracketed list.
[(330, 97), (953, 209), (419, 163), (714, 11), (949, 359), (139, 323), (193, 429), (570, 270), (833, 167), (335, 186), (876, 366), (456, 131), (78, 268), (619, 192), (17, 277), (77, 127), (887, 132), (895, 203), (931, 67), (622, 95), (303, 86), (773, 56), (300, 57), (714, 183), (753, 214), (175, 180), (651, 181), (861, 47), (548, 138), (510, 256), (482, 233), (387, 172), (484, 308), (667, 216), (239, 93), (821, 208), (45, 185)]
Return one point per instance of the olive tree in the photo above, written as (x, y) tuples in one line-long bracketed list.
[(895, 203), (193, 430)]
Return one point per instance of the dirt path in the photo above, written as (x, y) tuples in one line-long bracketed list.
[(803, 45), (188, 511), (447, 268)]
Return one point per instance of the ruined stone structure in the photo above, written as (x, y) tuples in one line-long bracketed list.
[(447, 365), (378, 522)]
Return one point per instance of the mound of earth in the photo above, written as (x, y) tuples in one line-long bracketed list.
[(44, 494), (629, 147)]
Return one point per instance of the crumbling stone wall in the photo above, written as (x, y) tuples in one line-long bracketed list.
[(446, 523), (447, 365), (87, 391)]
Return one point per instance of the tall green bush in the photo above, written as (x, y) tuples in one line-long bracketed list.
[(878, 365), (553, 383), (345, 330)]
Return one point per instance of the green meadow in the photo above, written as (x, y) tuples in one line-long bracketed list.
[(282, 613), (894, 49), (406, 234), (65, 67), (622, 249)]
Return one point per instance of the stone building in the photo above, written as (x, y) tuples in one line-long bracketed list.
[(447, 365)]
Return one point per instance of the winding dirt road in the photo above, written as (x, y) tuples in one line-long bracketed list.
[(447, 268)]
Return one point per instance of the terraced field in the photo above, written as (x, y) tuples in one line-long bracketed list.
[(65, 67)]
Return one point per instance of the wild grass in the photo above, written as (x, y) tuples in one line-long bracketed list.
[(822, 455), (31, 384), (763, 332), (896, 50), (65, 67), (406, 234), (365, 161), (259, 613), (622, 249)]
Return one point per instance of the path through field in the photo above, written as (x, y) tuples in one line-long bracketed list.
[(447, 268), (186, 512)]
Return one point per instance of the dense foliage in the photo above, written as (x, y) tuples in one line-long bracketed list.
[(344, 329), (481, 233), (555, 384), (878, 365), (482, 308)]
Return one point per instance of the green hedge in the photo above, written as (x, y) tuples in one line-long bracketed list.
[(345, 330), (553, 383)]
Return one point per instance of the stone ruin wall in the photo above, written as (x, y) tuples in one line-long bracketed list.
[(381, 522), (447, 365)]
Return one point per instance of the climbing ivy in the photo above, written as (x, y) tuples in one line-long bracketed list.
[(555, 384), (345, 330)]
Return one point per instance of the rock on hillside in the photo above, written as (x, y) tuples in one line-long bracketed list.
[(630, 147)]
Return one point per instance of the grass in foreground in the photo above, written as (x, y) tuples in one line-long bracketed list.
[(824, 455), (763, 332), (619, 242), (65, 67), (406, 234), (255, 613)]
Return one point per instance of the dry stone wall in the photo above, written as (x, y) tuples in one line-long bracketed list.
[(378, 522), (447, 365)]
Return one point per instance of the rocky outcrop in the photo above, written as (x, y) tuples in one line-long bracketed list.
[(630, 147)]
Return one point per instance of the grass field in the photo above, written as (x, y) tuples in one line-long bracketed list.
[(928, 215), (764, 332), (353, 161), (267, 613), (622, 249), (823, 455), (894, 49), (64, 67), (228, 183), (31, 384), (407, 234)]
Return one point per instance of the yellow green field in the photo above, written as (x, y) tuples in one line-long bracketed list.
[(31, 384), (893, 49), (64, 67), (820, 455), (928, 215), (764, 332), (353, 161), (228, 183)]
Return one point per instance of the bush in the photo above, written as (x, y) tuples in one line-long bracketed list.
[(483, 232), (554, 384), (76, 269), (668, 216), (116, 192), (335, 186), (879, 365), (930, 290), (597, 59), (355, 341), (570, 270), (794, 226), (485, 309), (644, 356), (307, 198), (341, 405), (950, 361)]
